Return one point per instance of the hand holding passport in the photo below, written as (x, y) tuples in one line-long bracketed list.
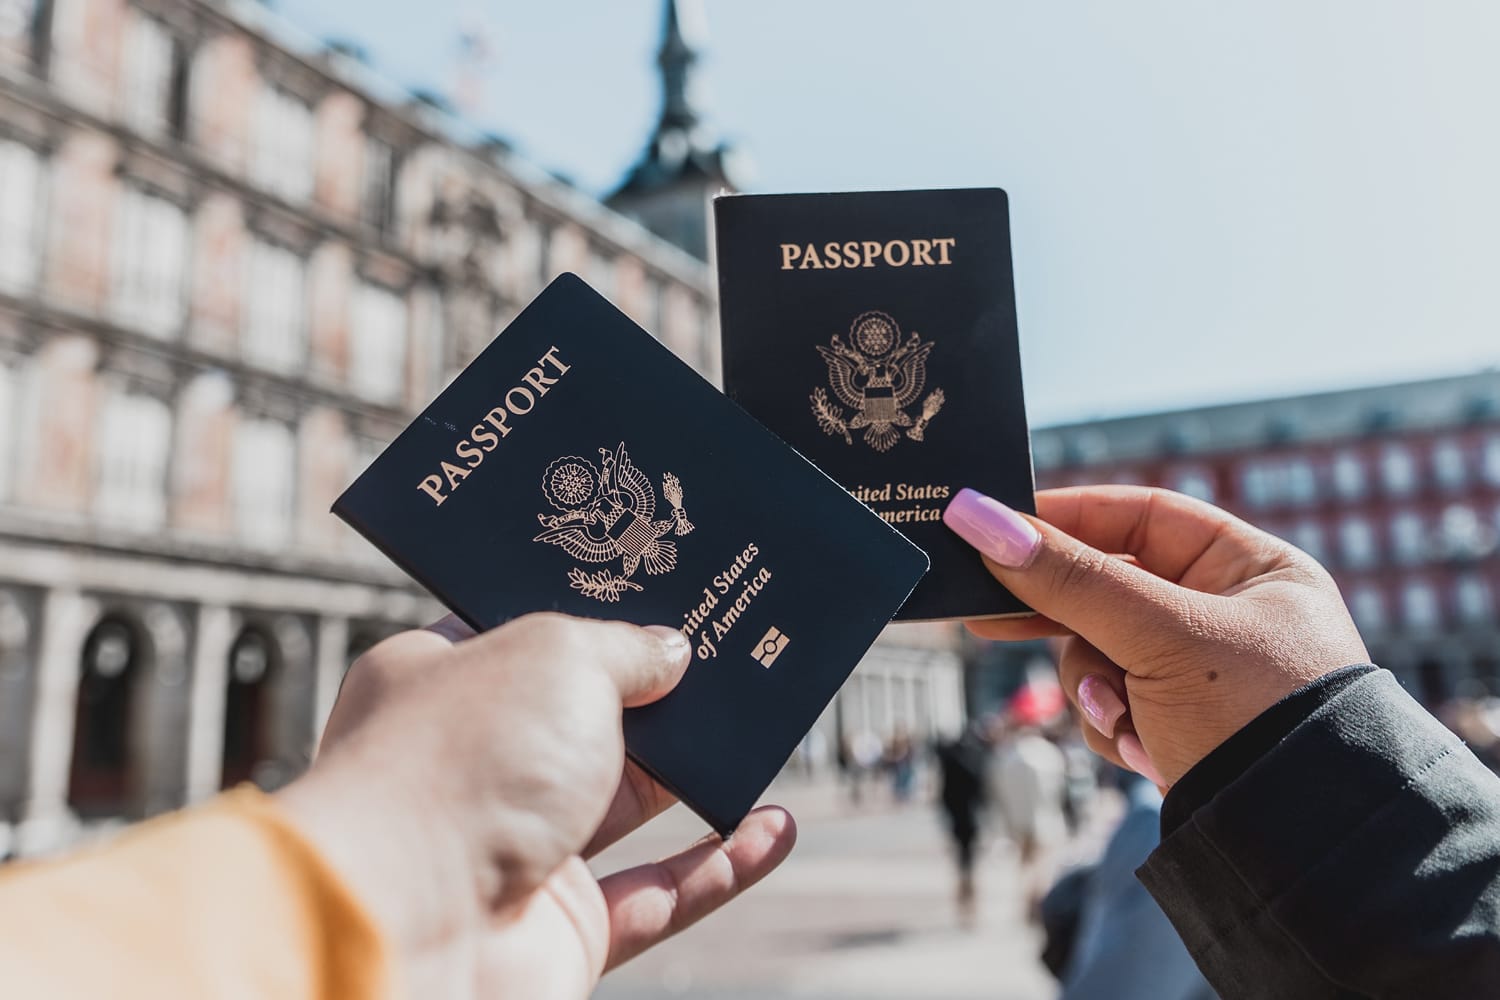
[(578, 466), (463, 780)]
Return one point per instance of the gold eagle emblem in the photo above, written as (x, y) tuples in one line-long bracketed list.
[(608, 512), (879, 377)]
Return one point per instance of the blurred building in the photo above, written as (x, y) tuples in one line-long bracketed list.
[(1396, 489), (233, 263)]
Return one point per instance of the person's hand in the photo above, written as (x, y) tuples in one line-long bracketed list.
[(461, 782), (1181, 623)]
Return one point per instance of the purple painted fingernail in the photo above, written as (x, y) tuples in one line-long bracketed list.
[(1100, 704), (993, 528), (1134, 756)]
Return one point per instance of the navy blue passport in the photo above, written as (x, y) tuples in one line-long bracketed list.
[(578, 466), (875, 332)]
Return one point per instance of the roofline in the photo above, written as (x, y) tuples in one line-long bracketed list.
[(259, 21)]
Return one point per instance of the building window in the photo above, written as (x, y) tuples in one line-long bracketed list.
[(135, 439), (1275, 481), (366, 451), (602, 272), (1408, 538), (8, 437), (1472, 598), (544, 271), (1398, 470), (25, 29), (1448, 465), (656, 308), (1419, 604), (20, 195), (1348, 475), (1301, 481), (1357, 540), (156, 79), (1492, 460), (1255, 486), (1464, 535), (1194, 482), (378, 197), (1367, 605), (150, 249), (275, 299), (262, 478), (378, 364), (283, 160), (1308, 536)]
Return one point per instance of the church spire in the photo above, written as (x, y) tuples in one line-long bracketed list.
[(682, 33), (682, 166)]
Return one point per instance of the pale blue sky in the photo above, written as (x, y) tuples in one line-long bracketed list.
[(1210, 201)]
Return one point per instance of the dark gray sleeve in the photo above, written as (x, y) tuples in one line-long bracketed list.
[(1359, 856)]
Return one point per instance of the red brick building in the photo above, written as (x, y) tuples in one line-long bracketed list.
[(1396, 489)]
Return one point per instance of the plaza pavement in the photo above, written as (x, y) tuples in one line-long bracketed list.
[(862, 910)]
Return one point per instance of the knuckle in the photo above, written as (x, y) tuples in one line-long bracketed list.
[(556, 635), (371, 673), (1077, 568)]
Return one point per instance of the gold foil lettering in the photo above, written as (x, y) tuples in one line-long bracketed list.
[(518, 401), (433, 487), (834, 255), (525, 394)]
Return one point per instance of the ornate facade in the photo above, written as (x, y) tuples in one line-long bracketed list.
[(231, 268)]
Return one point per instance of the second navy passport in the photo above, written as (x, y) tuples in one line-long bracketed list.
[(578, 466), (875, 332)]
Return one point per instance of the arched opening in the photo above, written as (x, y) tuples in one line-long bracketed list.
[(247, 706), (102, 779)]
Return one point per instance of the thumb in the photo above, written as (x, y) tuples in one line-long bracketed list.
[(643, 663), (1117, 607)]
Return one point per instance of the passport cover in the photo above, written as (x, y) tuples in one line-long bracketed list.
[(578, 466), (875, 332)]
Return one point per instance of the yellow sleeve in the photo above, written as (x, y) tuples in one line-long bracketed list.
[(224, 900)]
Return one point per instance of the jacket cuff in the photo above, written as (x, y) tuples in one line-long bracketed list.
[(1303, 870), (1233, 757)]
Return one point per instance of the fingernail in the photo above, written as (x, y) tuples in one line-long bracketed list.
[(993, 528), (673, 641), (1100, 703), (1134, 756)]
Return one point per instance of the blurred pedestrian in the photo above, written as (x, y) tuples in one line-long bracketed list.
[(1080, 773), (1028, 782), (901, 764), (962, 771), (863, 756)]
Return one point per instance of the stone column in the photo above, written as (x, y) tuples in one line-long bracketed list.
[(212, 639), (330, 662), (66, 618)]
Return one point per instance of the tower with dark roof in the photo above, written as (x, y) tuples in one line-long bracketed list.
[(670, 188)]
